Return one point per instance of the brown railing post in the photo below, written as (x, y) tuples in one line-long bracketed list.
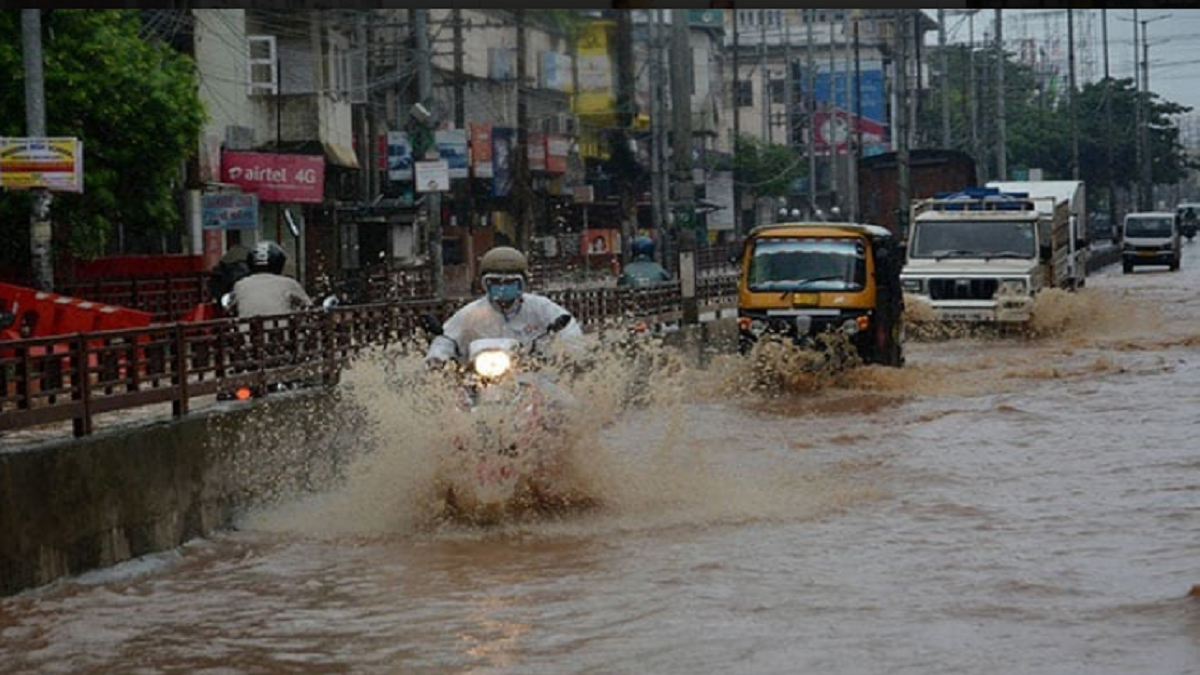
[(81, 389), (23, 388), (179, 405)]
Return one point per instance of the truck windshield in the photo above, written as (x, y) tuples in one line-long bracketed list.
[(979, 239), (818, 264), (1148, 227)]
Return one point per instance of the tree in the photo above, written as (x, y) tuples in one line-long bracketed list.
[(1037, 115), (134, 102), (766, 169)]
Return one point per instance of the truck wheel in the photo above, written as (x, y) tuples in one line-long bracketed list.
[(1175, 266), (1126, 268)]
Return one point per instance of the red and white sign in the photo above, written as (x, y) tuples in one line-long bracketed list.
[(481, 150), (835, 129), (536, 151), (276, 178), (557, 149)]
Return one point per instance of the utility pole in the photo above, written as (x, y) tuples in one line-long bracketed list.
[(858, 113), (1001, 137), (463, 206), (1071, 93), (658, 183), (523, 179), (765, 90), (1108, 128), (944, 57), (626, 113), (810, 98), (433, 200), (830, 123), (973, 89), (40, 228), (1147, 176), (849, 96), (903, 179), (789, 90), (681, 151), (737, 130)]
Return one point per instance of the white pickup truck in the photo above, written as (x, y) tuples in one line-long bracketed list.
[(983, 254)]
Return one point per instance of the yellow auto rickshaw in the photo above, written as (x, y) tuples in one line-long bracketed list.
[(800, 280)]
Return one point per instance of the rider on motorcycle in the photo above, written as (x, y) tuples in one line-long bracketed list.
[(643, 271), (506, 310), (265, 291)]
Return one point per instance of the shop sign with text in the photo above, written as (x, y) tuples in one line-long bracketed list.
[(275, 177)]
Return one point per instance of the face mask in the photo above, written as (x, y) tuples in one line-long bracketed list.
[(504, 293)]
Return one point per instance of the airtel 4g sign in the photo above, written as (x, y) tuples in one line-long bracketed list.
[(276, 178)]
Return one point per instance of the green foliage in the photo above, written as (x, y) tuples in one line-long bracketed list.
[(1038, 120), (768, 169), (132, 101)]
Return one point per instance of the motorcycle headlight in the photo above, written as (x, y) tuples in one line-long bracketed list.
[(492, 364)]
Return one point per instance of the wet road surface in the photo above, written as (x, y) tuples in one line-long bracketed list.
[(1000, 505)]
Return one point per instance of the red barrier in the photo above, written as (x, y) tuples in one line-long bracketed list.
[(46, 314)]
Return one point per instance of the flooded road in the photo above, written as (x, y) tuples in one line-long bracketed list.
[(1016, 505)]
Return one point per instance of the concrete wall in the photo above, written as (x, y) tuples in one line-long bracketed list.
[(78, 504)]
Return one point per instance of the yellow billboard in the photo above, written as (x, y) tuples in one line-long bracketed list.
[(596, 95)]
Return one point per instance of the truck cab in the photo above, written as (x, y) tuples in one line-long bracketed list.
[(1150, 238), (981, 255), (799, 280)]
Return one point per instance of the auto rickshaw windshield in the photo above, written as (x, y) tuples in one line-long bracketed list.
[(789, 264)]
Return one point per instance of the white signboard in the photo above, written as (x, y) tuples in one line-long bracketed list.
[(433, 176), (720, 191)]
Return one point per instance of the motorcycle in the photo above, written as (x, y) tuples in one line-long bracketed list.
[(510, 458)]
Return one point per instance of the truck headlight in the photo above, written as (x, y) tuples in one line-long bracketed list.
[(912, 285), (1012, 287)]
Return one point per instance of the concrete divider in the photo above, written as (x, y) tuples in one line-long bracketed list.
[(78, 504)]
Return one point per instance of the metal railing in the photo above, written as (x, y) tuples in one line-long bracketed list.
[(78, 376)]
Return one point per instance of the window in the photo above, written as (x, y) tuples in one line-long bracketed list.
[(743, 93), (262, 78), (777, 91)]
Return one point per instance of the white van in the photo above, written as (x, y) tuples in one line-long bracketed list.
[(1150, 238)]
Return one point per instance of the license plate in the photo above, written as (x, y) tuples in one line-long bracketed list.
[(1147, 254), (805, 299)]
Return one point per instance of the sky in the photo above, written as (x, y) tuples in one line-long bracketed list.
[(1173, 35)]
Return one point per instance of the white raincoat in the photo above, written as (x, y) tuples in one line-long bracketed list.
[(481, 319)]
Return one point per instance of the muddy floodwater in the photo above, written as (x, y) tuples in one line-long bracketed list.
[(1002, 504)]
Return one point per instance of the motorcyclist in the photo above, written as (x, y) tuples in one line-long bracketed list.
[(266, 291), (643, 271), (506, 310), (229, 269)]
